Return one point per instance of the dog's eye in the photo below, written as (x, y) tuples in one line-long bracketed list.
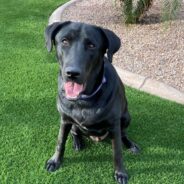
[(65, 42), (91, 45)]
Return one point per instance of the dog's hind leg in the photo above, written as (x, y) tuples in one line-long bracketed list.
[(78, 142), (129, 144), (125, 121)]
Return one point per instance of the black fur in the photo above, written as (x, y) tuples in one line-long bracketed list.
[(81, 47)]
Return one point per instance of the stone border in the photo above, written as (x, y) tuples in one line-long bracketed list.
[(151, 86), (130, 79), (56, 14)]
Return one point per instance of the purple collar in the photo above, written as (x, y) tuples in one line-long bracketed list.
[(85, 97)]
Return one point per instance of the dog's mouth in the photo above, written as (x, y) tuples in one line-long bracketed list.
[(73, 90)]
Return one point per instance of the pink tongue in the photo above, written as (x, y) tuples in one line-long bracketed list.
[(72, 89)]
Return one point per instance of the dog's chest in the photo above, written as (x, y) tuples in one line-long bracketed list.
[(87, 116), (83, 116), (91, 121)]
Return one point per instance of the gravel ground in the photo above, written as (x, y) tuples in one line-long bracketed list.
[(153, 48)]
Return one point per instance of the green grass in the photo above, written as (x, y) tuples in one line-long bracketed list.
[(29, 120)]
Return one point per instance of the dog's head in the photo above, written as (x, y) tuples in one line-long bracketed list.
[(80, 50)]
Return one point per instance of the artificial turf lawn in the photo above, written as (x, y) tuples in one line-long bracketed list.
[(29, 121)]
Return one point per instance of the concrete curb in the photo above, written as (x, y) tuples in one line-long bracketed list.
[(130, 79), (56, 14), (150, 86)]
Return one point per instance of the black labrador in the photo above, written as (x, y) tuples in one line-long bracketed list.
[(91, 98)]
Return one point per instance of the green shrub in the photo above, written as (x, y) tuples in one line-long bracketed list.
[(134, 10)]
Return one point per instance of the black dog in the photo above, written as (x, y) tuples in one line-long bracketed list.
[(91, 97)]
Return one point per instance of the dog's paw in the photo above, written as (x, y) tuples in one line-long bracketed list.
[(121, 177), (134, 149), (52, 165)]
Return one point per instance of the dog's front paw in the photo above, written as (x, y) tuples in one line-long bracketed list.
[(52, 165), (121, 177)]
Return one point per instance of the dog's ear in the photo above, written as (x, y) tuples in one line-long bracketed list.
[(51, 31), (113, 43)]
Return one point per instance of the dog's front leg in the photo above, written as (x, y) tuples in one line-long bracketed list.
[(55, 161), (120, 173)]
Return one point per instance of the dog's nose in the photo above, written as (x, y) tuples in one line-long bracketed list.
[(72, 72)]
